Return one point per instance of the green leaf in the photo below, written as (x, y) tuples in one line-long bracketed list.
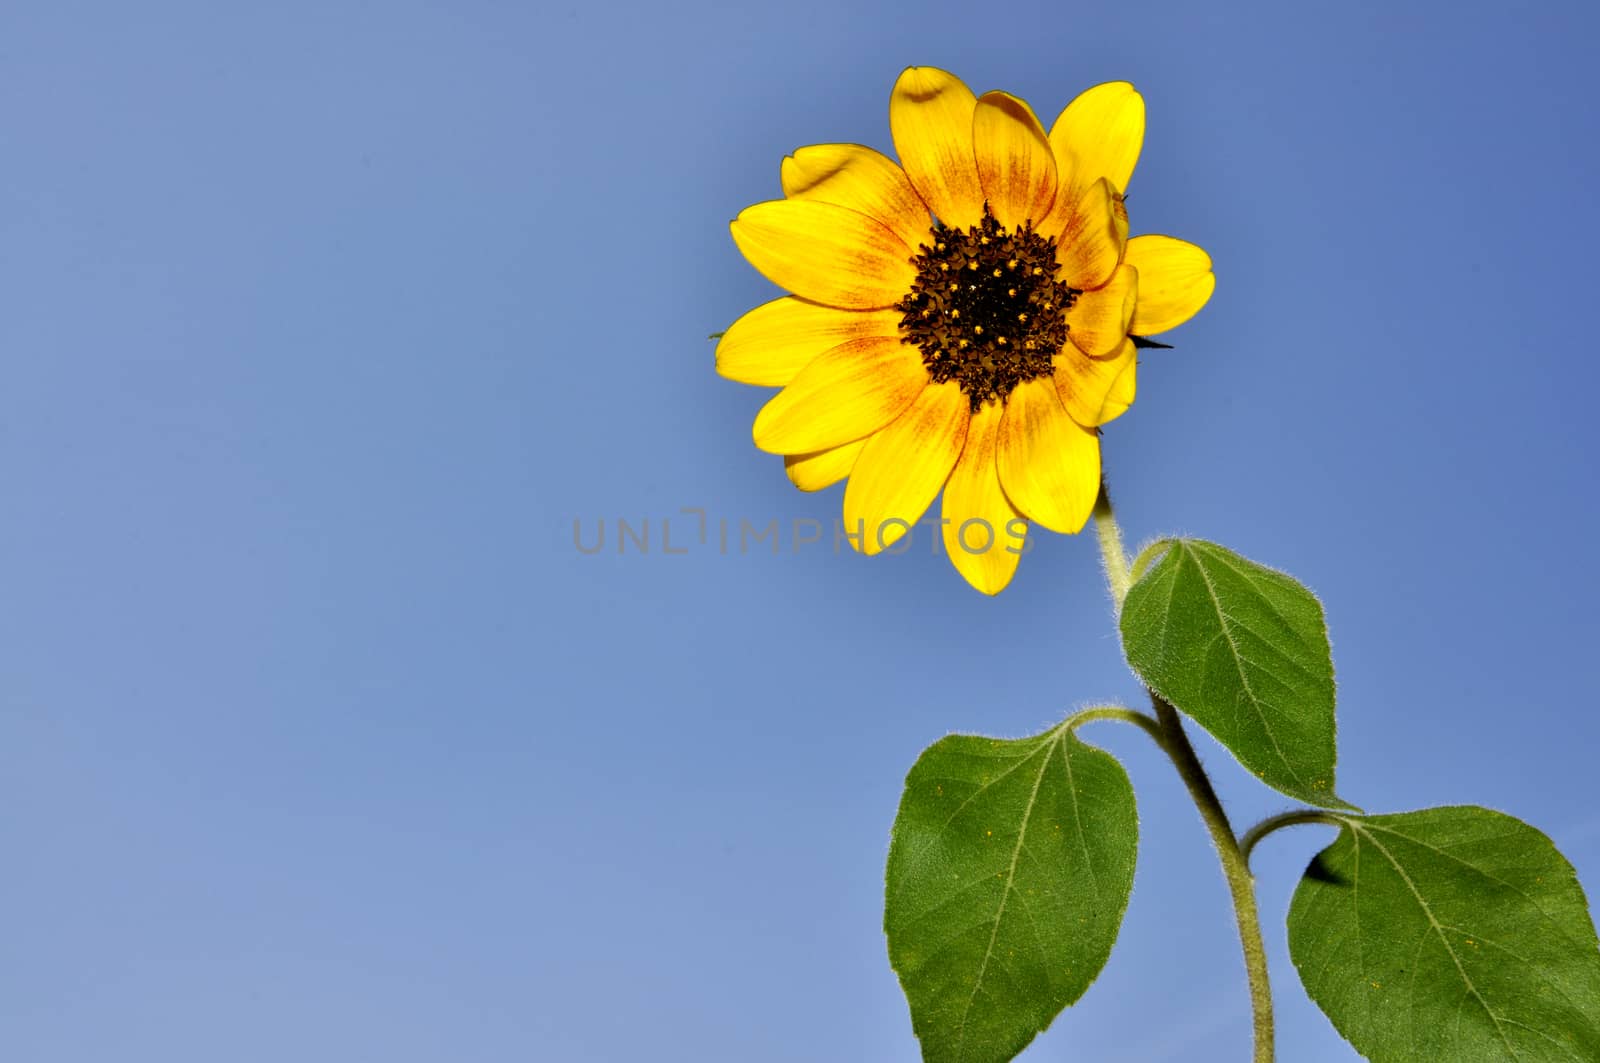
[(1454, 934), (1010, 866), (1244, 651)]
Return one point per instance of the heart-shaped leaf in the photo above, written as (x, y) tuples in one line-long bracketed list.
[(1454, 934), (1243, 650), (1010, 867)]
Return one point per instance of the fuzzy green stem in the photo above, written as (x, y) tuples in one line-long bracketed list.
[(1118, 575), (1235, 867), (1253, 836), (1142, 720)]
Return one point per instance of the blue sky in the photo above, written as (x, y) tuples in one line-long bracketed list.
[(320, 740)]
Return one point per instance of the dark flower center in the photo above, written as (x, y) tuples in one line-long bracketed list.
[(986, 309)]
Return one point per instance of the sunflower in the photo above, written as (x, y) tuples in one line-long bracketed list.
[(962, 321)]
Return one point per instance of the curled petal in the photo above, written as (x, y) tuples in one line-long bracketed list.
[(1085, 385), (1090, 247), (1098, 320), (1120, 397)]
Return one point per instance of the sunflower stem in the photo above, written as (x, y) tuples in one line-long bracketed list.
[(1118, 576), (1235, 865)]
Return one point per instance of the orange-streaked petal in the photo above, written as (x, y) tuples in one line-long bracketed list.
[(773, 342), (1120, 397), (902, 468), (1085, 384), (846, 393), (1090, 247), (1016, 167), (930, 118), (1049, 464), (1099, 134), (822, 468), (863, 180), (826, 253), (1175, 280), (983, 532), (1098, 320)]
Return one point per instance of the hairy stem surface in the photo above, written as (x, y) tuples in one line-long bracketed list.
[(1235, 867)]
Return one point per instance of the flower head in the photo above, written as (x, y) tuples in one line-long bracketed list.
[(962, 321)]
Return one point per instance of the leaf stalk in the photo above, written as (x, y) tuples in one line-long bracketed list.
[(1253, 836)]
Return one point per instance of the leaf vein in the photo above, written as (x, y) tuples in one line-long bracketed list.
[(1443, 940)]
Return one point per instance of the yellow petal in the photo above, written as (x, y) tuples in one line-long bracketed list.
[(1085, 384), (902, 468), (823, 468), (1049, 464), (861, 179), (1099, 134), (1098, 320), (846, 393), (983, 532), (826, 253), (930, 118), (1090, 247), (1120, 397), (1016, 167), (1175, 280), (773, 342)]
